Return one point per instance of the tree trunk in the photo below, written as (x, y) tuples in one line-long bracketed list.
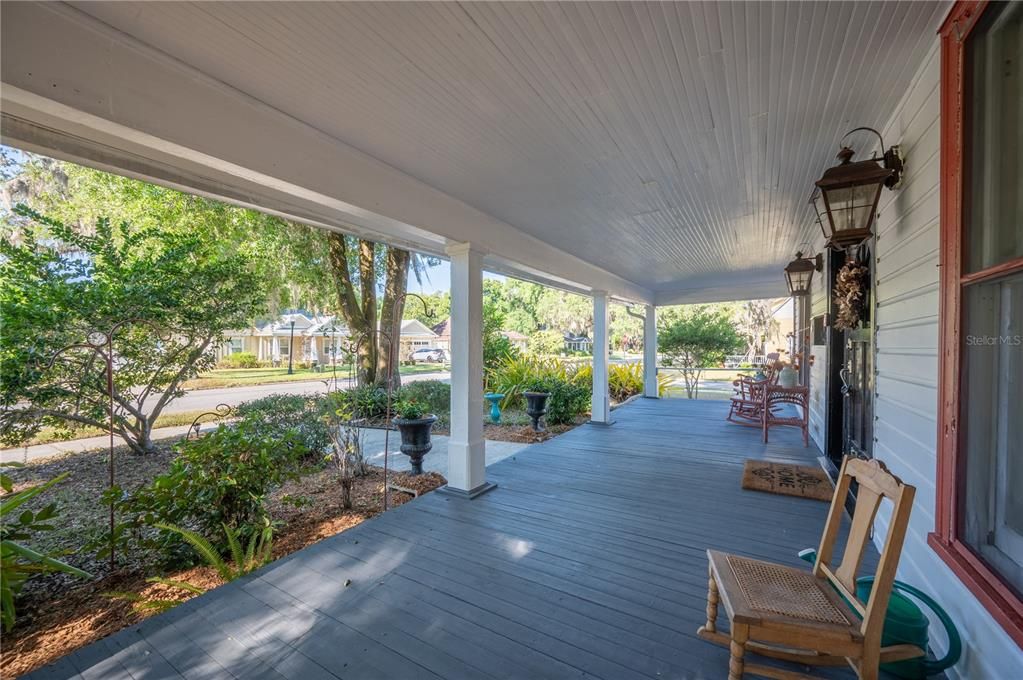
[(391, 312), (353, 309), (367, 287)]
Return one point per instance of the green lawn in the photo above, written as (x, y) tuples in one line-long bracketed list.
[(235, 377), (51, 434)]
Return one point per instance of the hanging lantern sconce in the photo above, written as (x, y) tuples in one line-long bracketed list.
[(851, 191), (799, 273)]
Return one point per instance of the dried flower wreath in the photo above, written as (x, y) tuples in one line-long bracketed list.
[(851, 294)]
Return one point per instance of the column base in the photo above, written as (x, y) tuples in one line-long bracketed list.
[(604, 423), (447, 490)]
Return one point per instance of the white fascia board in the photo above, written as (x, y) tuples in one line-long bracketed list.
[(75, 88)]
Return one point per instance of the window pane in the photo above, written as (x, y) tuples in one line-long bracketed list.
[(992, 409), (994, 200)]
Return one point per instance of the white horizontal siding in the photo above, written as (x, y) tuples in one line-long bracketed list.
[(906, 404)]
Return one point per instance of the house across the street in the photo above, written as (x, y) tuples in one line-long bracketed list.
[(314, 339)]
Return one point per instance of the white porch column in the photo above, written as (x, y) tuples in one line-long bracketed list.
[(601, 407), (650, 352), (466, 447)]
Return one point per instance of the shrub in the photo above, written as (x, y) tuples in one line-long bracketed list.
[(220, 479), (18, 562), (567, 402), (240, 360), (368, 401), (278, 414), (512, 375), (434, 395), (625, 380), (409, 410)]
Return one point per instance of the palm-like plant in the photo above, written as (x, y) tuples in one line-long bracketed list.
[(18, 562), (256, 554)]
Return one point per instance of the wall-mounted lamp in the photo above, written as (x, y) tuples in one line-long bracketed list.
[(851, 192), (799, 273)]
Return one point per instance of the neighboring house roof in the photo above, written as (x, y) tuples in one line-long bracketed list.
[(331, 325), (443, 329), (576, 338), (514, 335), (282, 325), (328, 324), (415, 327)]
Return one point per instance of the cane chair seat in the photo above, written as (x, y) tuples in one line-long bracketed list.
[(755, 590)]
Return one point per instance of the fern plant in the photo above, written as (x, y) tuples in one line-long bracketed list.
[(256, 554)]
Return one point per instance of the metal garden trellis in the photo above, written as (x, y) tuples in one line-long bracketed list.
[(101, 343)]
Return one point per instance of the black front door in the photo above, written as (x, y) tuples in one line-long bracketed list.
[(851, 379), (857, 376)]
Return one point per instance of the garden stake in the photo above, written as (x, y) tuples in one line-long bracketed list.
[(102, 344)]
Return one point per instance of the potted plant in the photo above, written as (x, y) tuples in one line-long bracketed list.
[(536, 403), (787, 376), (415, 426)]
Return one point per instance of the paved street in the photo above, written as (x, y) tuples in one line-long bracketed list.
[(201, 400), (198, 400)]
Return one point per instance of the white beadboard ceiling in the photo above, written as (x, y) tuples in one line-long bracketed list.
[(672, 144)]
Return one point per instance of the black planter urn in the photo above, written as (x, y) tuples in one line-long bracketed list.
[(536, 408), (415, 439)]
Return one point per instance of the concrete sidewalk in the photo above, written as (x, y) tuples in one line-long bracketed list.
[(436, 460), (25, 454), (373, 446)]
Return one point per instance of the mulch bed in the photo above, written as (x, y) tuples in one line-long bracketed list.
[(58, 614)]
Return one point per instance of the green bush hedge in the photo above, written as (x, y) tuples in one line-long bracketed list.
[(433, 395), (241, 360), (280, 414), (368, 401), (567, 402), (222, 478)]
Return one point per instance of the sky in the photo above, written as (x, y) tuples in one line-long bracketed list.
[(438, 279)]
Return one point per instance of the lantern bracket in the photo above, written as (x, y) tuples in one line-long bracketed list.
[(818, 260), (891, 157)]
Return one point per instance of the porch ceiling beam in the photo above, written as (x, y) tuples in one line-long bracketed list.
[(78, 89)]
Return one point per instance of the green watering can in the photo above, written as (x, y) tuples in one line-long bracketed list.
[(905, 623)]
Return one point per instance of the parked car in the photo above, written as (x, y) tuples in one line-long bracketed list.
[(430, 355)]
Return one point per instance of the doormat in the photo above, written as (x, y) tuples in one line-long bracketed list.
[(804, 481)]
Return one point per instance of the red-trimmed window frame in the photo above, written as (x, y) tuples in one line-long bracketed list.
[(999, 599)]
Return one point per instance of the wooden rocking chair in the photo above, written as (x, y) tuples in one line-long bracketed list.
[(747, 404), (815, 618)]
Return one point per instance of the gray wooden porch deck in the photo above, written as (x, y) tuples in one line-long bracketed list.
[(587, 561)]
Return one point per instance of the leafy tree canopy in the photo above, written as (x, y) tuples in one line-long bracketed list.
[(695, 337), (170, 294)]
